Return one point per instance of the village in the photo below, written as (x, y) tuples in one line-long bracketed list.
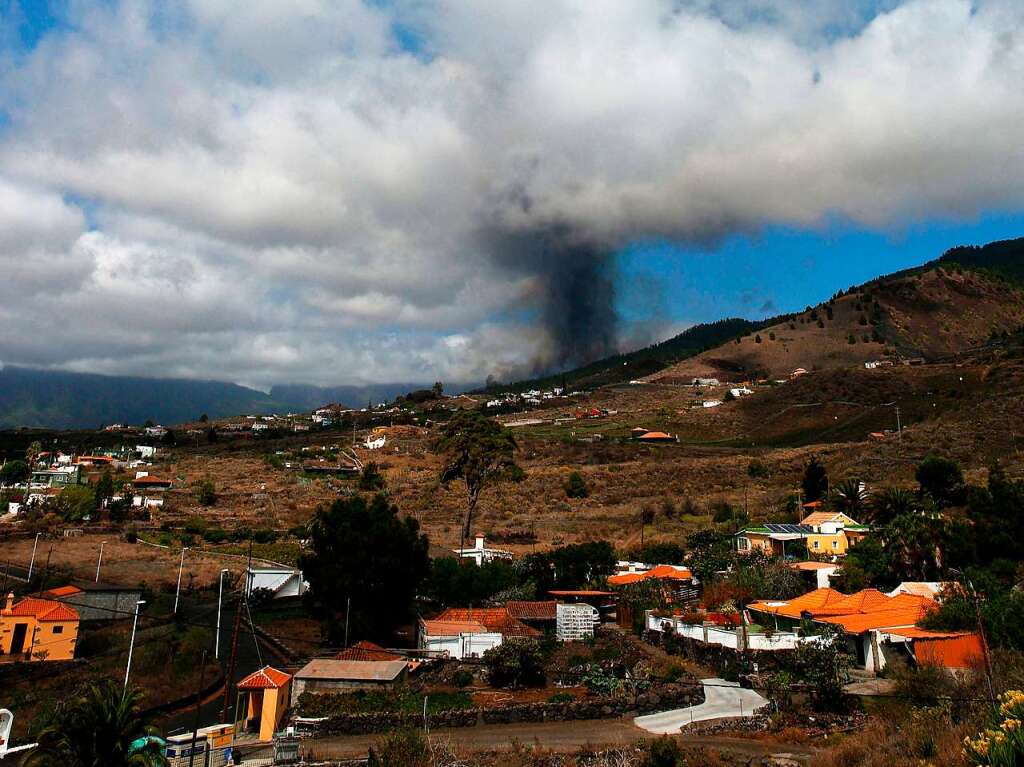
[(253, 628)]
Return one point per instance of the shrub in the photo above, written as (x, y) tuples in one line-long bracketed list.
[(771, 336), (576, 487), (757, 338), (515, 663), (402, 748), (371, 479), (463, 678), (206, 492), (562, 697), (663, 752), (757, 469)]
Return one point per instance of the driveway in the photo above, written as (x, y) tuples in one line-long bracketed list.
[(722, 700)]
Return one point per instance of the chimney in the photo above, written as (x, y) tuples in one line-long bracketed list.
[(479, 542), (9, 608)]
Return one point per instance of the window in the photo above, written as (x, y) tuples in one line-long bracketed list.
[(743, 544), (835, 544), (58, 629), (816, 544)]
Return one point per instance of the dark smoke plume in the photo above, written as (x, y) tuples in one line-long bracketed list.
[(576, 290)]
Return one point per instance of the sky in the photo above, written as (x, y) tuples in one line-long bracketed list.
[(343, 191)]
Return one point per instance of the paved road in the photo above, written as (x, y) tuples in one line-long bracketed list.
[(722, 700), (563, 737)]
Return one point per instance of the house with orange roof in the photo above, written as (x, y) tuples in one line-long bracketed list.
[(37, 630), (872, 624), (824, 533), (470, 632), (655, 437), (263, 699)]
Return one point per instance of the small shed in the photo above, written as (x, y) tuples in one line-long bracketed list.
[(263, 699), (332, 675)]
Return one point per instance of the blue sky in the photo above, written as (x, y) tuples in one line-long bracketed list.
[(783, 269)]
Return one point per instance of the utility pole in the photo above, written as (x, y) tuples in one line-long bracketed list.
[(220, 600), (231, 663), (32, 562), (131, 645), (899, 424), (177, 590), (195, 723), (348, 610), (100, 561)]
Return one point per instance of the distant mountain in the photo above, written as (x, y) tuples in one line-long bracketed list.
[(60, 400)]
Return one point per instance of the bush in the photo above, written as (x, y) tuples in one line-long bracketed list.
[(562, 697), (402, 748), (76, 502), (371, 479), (515, 663), (576, 487), (463, 678), (206, 492), (663, 752), (757, 469)]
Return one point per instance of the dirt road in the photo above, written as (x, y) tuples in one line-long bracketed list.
[(555, 736)]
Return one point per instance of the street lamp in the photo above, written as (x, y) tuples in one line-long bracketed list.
[(220, 598), (177, 590), (33, 562), (131, 645), (100, 561)]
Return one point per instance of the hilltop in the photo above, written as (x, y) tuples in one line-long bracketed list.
[(933, 313)]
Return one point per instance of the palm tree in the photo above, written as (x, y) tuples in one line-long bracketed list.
[(890, 503), (98, 729), (849, 497)]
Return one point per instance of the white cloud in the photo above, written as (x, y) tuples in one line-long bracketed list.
[(272, 192)]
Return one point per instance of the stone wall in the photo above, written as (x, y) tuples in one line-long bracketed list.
[(661, 698)]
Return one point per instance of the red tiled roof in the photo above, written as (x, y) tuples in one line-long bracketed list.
[(496, 619), (533, 611), (655, 435), (854, 613), (581, 593), (441, 628), (44, 610), (151, 481), (267, 678), (367, 651)]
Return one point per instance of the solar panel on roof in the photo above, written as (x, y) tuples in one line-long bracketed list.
[(787, 528)]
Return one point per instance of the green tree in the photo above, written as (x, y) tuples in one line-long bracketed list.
[(664, 752), (14, 472), (823, 666), (104, 488), (849, 497), (576, 487), (32, 452), (580, 565), (206, 492), (479, 451), (365, 552), (76, 502), (406, 747), (815, 481), (887, 504), (371, 479), (710, 552), (204, 418), (942, 481), (97, 728), (515, 663), (452, 585), (438, 389)]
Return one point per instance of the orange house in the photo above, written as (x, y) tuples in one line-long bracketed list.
[(263, 699), (37, 630)]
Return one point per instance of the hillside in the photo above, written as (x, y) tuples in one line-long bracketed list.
[(54, 399), (932, 313), (1005, 258)]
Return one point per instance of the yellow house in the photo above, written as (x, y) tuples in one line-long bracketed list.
[(37, 630), (826, 534), (832, 533), (263, 699)]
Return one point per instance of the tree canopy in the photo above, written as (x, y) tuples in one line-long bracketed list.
[(365, 552), (479, 451)]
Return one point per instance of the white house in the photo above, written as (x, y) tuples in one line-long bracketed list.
[(145, 451), (705, 382), (280, 581), (457, 639), (711, 402), (740, 391), (480, 553), (375, 442)]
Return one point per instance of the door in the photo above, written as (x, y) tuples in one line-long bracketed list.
[(18, 640)]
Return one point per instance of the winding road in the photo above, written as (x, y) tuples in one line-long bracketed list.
[(722, 700)]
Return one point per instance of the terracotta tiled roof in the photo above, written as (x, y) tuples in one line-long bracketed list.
[(267, 678), (496, 619), (62, 591), (856, 613), (443, 628), (151, 481), (533, 611), (364, 671), (812, 566), (663, 572), (367, 651), (44, 610), (656, 435)]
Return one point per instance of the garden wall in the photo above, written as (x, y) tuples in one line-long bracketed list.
[(662, 698)]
